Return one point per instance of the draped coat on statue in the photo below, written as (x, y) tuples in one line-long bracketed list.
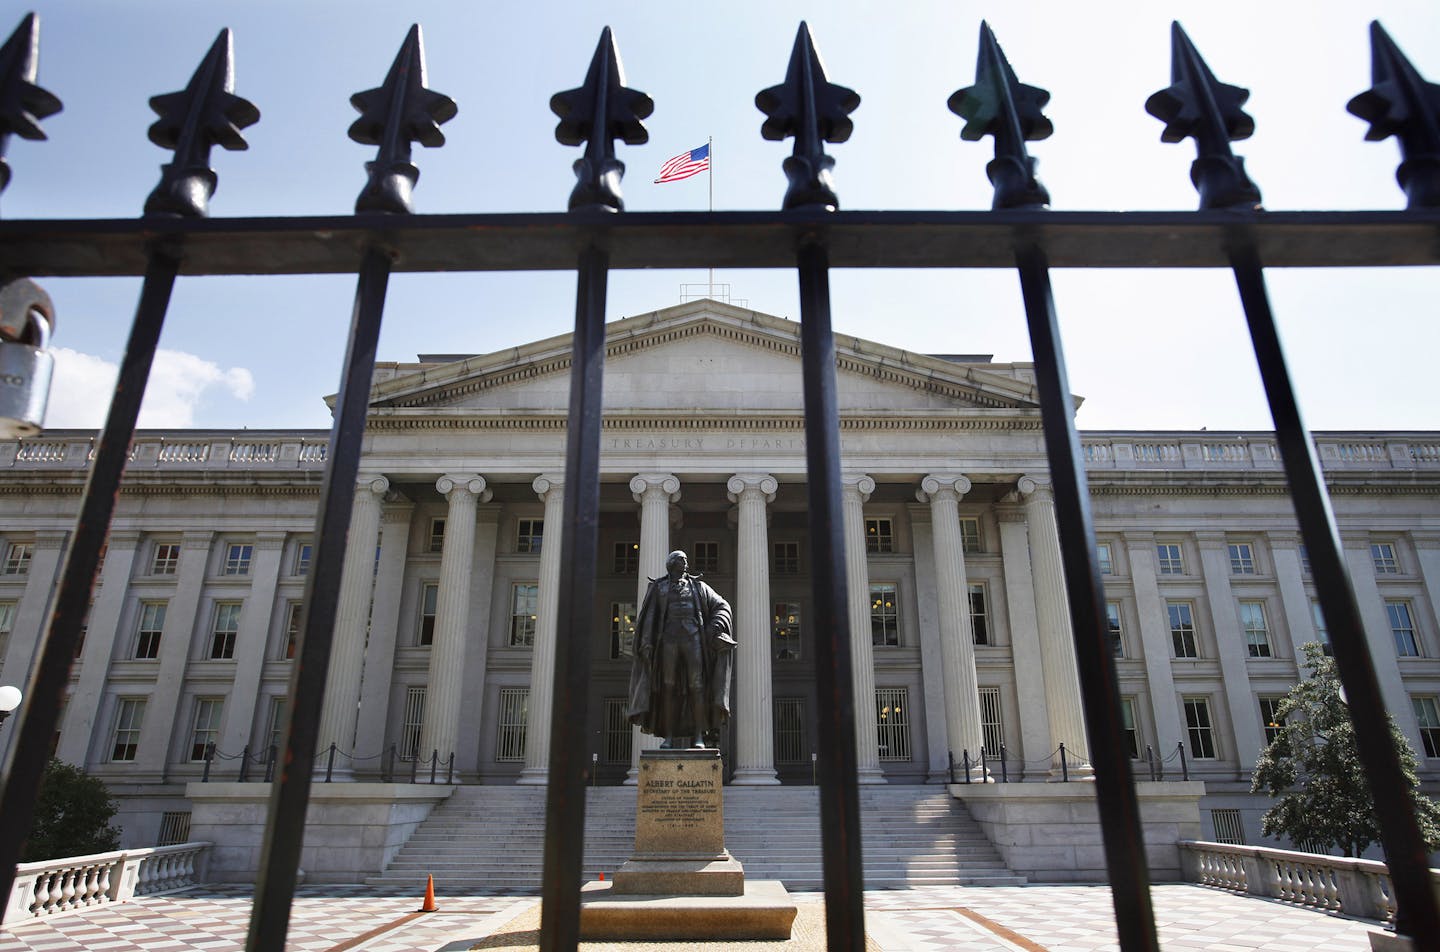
[(717, 643)]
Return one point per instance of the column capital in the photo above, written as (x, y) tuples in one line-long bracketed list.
[(1287, 540), (859, 483), (469, 484), (397, 512), (196, 539), (1425, 538), (762, 483), (269, 540), (548, 483), (937, 485), (376, 483), (1030, 487), (1004, 514), (122, 537), (644, 483), (50, 539), (1135, 537), (1355, 538), (1210, 539)]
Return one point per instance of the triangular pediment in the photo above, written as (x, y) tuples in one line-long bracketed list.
[(703, 357)]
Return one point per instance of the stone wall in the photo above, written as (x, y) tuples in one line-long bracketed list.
[(352, 830), (1050, 832)]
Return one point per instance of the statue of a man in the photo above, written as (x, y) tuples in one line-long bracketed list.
[(684, 654)]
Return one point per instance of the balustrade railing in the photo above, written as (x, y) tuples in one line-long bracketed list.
[(52, 887)]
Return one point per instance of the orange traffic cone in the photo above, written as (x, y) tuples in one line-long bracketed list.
[(602, 876), (429, 904)]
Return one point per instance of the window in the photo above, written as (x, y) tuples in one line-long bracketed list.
[(1427, 713), (227, 625), (884, 616), (17, 559), (1102, 557), (1117, 630), (435, 541), (705, 558), (1242, 558), (618, 732), (1383, 555), (429, 597), (1403, 628), (1200, 728), (165, 558), (529, 534), (207, 725), (1257, 630), (7, 621), (979, 614), (174, 828), (1182, 629), (524, 603), (413, 720), (510, 732), (622, 630), (1228, 828), (787, 631), (1322, 633), (129, 713), (970, 535), (274, 729), (84, 630), (892, 719), (237, 559), (787, 558), (992, 726), (1271, 720), (627, 558), (1305, 559), (1169, 560), (879, 536), (293, 613), (148, 629), (1132, 728), (791, 744), (302, 558)]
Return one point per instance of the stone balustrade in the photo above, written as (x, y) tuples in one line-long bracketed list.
[(53, 887), (1356, 887), (1252, 451), (184, 451)]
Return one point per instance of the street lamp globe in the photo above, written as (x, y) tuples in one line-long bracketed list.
[(9, 700)]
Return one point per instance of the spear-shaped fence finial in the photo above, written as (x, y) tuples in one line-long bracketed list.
[(597, 113), (22, 103), (400, 111), (814, 111), (1402, 104), (205, 113), (1000, 105), (1197, 105)]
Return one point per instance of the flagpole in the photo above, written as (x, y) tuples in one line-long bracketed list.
[(710, 178)]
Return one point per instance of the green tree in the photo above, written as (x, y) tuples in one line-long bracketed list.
[(72, 816), (1312, 770)]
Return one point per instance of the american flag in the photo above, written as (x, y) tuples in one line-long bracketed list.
[(685, 165)]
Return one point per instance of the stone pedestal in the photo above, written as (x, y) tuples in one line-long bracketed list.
[(682, 883)]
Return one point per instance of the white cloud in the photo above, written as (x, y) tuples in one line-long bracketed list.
[(84, 384)]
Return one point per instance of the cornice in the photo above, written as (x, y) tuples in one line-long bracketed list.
[(382, 421)]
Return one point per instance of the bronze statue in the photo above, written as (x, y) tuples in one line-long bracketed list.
[(684, 655)]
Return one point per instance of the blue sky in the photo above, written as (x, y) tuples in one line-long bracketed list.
[(1152, 350)]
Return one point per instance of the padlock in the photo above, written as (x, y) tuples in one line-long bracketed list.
[(27, 319)]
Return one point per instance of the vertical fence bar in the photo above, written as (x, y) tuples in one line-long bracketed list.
[(285, 827), (842, 870), (1417, 912), (56, 648), (580, 539), (1114, 786)]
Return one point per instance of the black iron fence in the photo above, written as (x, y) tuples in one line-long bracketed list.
[(809, 234)]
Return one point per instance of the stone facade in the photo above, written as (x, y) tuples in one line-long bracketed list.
[(446, 630)]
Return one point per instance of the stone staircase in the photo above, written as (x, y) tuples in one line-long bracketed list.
[(490, 837)]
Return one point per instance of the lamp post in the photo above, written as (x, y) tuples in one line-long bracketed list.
[(9, 700)]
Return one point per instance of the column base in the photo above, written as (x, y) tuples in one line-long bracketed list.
[(871, 775), (1082, 772), (755, 777), (534, 776)]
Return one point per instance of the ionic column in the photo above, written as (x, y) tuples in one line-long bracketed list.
[(754, 707), (654, 492), (542, 667), (855, 490), (1035, 742), (957, 639), (380, 647), (1057, 640), (352, 615), (440, 730)]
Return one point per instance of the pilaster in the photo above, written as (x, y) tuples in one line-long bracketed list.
[(1234, 654), (755, 704), (1155, 640), (1378, 633), (551, 490), (1299, 622), (33, 611), (855, 490), (250, 642)]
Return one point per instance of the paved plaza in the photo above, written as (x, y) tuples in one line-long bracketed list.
[(924, 919)]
